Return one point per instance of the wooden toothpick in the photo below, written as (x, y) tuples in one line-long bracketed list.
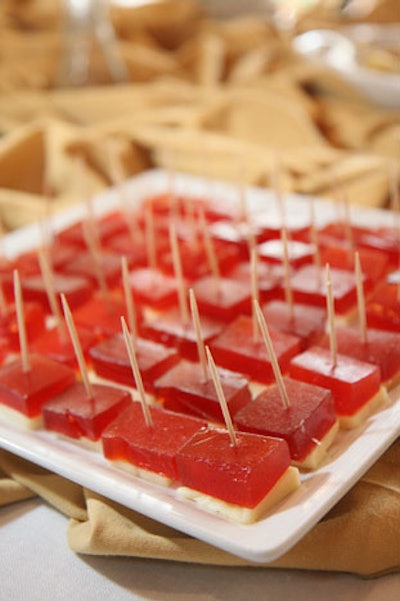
[(221, 397), (150, 237), (255, 290), (314, 238), (3, 301), (177, 263), (23, 340), (130, 347), (287, 274), (362, 316), (48, 279), (331, 316), (271, 352), (95, 253), (77, 347), (199, 339), (129, 302), (209, 246)]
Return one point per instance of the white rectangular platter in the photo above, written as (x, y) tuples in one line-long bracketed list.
[(351, 455)]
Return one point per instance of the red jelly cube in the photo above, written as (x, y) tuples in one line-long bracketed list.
[(236, 349), (184, 389), (309, 286), (152, 448), (106, 226), (102, 314), (169, 329), (269, 278), (134, 251), (234, 235), (74, 415), (167, 204), (26, 392), (383, 307), (34, 317), (304, 321), (385, 240), (297, 224), (241, 474), (310, 415), (352, 382), (342, 230), (373, 263), (59, 347), (381, 348), (195, 263), (28, 262), (110, 360), (85, 265), (222, 298), (153, 287), (299, 253), (75, 288)]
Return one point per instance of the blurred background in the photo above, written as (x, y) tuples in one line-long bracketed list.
[(197, 86)]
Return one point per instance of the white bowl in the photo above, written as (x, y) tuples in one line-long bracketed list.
[(338, 52)]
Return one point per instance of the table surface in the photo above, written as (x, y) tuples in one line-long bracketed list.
[(33, 537)]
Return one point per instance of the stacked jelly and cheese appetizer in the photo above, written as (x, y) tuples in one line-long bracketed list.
[(174, 244), (28, 380)]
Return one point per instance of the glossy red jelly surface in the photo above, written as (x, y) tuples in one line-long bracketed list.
[(172, 204), (241, 474), (134, 250), (341, 230), (75, 288), (105, 227), (236, 349), (304, 321), (235, 235), (381, 348), (373, 263), (26, 392), (309, 286), (110, 360), (222, 298), (75, 415), (34, 317), (4, 349), (308, 418), (102, 314), (169, 329), (296, 225), (299, 253), (154, 288), (269, 278), (54, 345), (184, 389), (385, 240), (194, 259), (351, 381), (84, 265), (153, 448), (383, 307)]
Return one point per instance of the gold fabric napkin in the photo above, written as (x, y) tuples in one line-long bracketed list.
[(361, 534)]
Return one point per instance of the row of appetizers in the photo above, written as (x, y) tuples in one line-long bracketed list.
[(87, 255)]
